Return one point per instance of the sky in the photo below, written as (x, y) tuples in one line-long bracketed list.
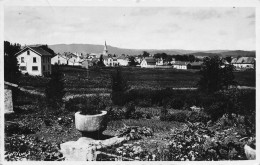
[(190, 28)]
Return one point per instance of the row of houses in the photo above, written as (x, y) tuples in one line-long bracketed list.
[(239, 63), (34, 60), (159, 63)]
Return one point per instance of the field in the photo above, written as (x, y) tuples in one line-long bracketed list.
[(35, 131), (81, 81)]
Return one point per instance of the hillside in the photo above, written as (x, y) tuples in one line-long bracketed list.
[(90, 48)]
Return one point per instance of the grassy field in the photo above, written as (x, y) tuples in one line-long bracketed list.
[(79, 81)]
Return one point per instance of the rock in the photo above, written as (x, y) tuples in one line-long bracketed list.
[(78, 151), (250, 152), (84, 149), (8, 101)]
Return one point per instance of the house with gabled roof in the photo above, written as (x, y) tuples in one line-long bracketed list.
[(148, 62), (59, 59), (34, 60), (180, 65), (243, 63), (122, 60)]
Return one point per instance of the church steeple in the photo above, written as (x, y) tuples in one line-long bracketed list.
[(105, 51)]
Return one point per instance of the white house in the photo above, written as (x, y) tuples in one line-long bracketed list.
[(243, 62), (159, 62), (180, 65), (122, 61), (148, 63), (108, 61), (34, 61), (59, 59)]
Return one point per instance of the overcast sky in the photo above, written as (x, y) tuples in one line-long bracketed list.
[(128, 27)]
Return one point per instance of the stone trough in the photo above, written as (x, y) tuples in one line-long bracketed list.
[(85, 149)]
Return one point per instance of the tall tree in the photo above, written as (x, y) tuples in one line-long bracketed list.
[(215, 75), (132, 61), (101, 61), (146, 54), (11, 67), (55, 88)]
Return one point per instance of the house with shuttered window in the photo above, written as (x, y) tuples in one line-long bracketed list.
[(34, 60)]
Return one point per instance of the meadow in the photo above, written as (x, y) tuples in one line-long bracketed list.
[(219, 131)]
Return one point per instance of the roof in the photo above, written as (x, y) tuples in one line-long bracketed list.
[(245, 60), (196, 63), (122, 58), (234, 60), (181, 63), (150, 60), (37, 49)]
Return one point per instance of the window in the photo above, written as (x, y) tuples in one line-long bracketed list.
[(28, 52), (22, 59), (43, 67), (22, 67), (34, 59), (35, 68)]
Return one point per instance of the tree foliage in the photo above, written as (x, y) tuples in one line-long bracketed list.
[(101, 61), (11, 67), (132, 61), (119, 87), (55, 88), (215, 75), (146, 54)]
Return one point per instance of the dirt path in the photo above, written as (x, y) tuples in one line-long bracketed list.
[(239, 87), (66, 98)]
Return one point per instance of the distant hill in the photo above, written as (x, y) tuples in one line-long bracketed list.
[(91, 48)]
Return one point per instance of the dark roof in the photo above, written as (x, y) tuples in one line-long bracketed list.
[(181, 63), (196, 63), (150, 60), (245, 60), (37, 50), (41, 51)]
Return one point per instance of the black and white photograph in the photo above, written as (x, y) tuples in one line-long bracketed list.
[(129, 82)]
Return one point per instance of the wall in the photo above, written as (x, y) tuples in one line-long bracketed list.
[(28, 63)]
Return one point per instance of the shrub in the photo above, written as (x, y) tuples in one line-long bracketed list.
[(164, 114), (55, 88), (198, 117), (177, 103), (180, 116), (87, 105), (214, 77), (115, 113), (130, 110), (119, 87)]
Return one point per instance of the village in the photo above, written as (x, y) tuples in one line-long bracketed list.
[(39, 62), (129, 84)]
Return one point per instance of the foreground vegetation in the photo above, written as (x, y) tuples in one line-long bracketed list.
[(35, 131), (161, 123)]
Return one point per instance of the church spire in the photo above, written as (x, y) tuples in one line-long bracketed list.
[(105, 51)]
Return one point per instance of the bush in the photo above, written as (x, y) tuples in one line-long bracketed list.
[(119, 87), (88, 105), (115, 113), (55, 88), (180, 116), (130, 110), (177, 103), (198, 117), (164, 114)]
